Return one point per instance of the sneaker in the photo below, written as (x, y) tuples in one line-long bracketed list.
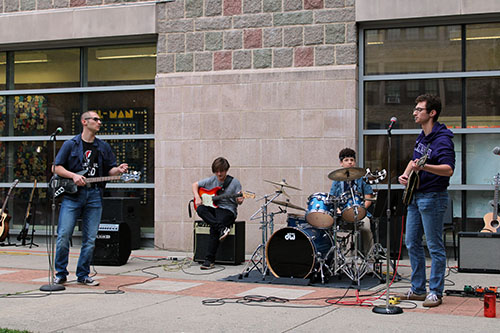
[(207, 265), (224, 233), (410, 295), (432, 300), (60, 280), (88, 281)]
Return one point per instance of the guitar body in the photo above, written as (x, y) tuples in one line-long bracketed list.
[(413, 182), (207, 196), (491, 223), (4, 226)]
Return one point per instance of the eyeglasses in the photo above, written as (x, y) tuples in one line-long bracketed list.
[(96, 119), (419, 109)]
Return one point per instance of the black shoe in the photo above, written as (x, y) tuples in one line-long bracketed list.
[(88, 281), (60, 280), (207, 264), (223, 234)]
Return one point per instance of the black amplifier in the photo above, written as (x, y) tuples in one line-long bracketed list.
[(112, 245)]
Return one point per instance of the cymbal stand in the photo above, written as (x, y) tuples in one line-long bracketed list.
[(258, 259), (377, 253)]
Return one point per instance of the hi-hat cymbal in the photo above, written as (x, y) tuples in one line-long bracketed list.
[(284, 184), (346, 174), (287, 204)]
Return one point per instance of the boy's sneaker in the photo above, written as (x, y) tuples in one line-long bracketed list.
[(432, 300), (223, 234), (88, 281), (60, 280), (411, 296), (207, 265)]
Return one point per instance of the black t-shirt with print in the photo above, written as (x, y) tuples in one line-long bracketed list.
[(90, 162)]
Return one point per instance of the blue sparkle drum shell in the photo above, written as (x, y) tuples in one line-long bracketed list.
[(320, 210), (294, 252), (350, 205), (296, 221)]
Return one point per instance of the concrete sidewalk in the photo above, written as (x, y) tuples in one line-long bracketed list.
[(164, 291)]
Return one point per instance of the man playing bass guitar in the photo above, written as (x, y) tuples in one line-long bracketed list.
[(223, 216), (430, 200)]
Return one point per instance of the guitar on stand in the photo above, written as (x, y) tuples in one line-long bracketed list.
[(27, 220), (258, 259), (492, 220), (4, 217)]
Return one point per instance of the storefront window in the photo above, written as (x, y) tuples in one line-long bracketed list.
[(483, 103), (118, 65), (482, 165), (483, 47), (3, 73), (47, 68), (385, 99), (413, 50)]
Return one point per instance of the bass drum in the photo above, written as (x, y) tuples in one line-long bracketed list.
[(294, 252)]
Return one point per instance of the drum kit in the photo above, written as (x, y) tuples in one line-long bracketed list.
[(322, 243)]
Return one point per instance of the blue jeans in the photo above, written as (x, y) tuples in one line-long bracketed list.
[(425, 215), (87, 203)]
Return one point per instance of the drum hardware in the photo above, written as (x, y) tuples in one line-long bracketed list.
[(287, 204), (347, 174)]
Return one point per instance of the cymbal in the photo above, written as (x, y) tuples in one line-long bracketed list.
[(284, 184), (287, 204), (346, 174)]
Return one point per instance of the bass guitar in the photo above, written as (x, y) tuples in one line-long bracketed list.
[(413, 181), (27, 218), (4, 217), (208, 197), (61, 185), (492, 220)]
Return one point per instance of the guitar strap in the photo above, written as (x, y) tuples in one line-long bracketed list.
[(227, 181)]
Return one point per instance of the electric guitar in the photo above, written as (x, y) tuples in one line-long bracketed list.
[(208, 197), (413, 181), (27, 218), (61, 185), (492, 220), (4, 217)]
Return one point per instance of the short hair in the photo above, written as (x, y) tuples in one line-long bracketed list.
[(86, 114), (432, 102), (346, 152), (220, 164)]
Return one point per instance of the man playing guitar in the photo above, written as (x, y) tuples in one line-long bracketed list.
[(430, 200), (219, 218)]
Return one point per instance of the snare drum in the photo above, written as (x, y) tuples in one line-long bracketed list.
[(297, 221), (320, 210), (295, 252), (351, 204)]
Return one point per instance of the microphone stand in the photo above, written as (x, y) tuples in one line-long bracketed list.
[(388, 309), (52, 286)]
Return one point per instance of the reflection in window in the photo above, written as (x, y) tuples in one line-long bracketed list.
[(408, 50), (3, 70), (46, 68), (116, 65), (483, 47), (483, 102), (482, 165), (384, 99)]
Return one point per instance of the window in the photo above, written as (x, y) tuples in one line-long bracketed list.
[(483, 47), (3, 72)]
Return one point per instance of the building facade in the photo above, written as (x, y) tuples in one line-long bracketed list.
[(278, 87)]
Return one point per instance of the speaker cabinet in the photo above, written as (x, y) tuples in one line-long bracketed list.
[(118, 210), (230, 251), (112, 245), (478, 252)]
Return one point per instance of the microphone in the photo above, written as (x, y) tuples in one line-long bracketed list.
[(393, 121), (496, 150), (57, 131)]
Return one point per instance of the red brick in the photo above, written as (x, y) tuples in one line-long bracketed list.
[(313, 4), (304, 57), (252, 39), (232, 7), (77, 3), (222, 60)]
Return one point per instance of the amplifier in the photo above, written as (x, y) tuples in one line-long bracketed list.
[(478, 252), (230, 251), (112, 245)]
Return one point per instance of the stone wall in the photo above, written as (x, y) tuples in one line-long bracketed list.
[(214, 35)]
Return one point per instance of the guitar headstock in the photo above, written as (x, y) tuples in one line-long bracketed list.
[(246, 194), (133, 176), (376, 176)]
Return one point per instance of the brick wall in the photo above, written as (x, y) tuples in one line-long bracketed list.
[(213, 35)]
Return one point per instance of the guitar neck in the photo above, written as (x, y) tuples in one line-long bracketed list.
[(101, 179), (227, 196)]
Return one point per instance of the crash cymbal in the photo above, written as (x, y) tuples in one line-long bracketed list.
[(283, 183), (346, 174), (287, 204)]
